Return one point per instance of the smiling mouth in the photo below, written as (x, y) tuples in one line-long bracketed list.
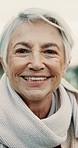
[(35, 78)]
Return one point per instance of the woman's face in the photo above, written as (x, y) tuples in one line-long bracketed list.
[(35, 60)]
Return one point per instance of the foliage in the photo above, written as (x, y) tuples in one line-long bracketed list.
[(72, 76)]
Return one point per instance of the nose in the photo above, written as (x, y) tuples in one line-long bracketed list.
[(36, 62)]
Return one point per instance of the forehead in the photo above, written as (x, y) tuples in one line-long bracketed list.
[(36, 29)]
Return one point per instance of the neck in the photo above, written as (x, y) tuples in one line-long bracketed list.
[(41, 108)]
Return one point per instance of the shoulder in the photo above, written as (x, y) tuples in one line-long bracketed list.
[(3, 146), (3, 81), (70, 89), (71, 141), (68, 86)]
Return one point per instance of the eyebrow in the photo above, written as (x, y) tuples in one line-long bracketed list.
[(23, 43), (46, 45)]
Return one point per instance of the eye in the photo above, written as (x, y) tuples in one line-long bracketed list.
[(22, 51), (50, 51)]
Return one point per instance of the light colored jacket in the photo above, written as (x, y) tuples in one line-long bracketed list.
[(71, 141)]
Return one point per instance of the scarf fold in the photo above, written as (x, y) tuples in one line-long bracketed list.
[(21, 128)]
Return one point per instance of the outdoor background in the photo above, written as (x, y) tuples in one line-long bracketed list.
[(68, 9)]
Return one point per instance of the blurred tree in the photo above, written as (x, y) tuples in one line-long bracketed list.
[(1, 70), (72, 76)]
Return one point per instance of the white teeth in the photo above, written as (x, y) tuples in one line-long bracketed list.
[(34, 78)]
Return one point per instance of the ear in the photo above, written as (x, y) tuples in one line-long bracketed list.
[(64, 72), (65, 68)]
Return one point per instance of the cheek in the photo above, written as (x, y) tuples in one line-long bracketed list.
[(16, 64), (56, 67)]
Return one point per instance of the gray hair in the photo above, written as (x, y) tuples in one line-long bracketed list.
[(35, 14)]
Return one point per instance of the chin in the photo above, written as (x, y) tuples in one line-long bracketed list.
[(35, 97)]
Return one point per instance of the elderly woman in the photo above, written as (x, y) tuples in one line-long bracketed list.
[(38, 108)]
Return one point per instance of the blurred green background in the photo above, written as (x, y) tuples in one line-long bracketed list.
[(71, 75)]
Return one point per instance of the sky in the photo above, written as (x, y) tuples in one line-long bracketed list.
[(68, 9)]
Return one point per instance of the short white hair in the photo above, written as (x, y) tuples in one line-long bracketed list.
[(32, 14)]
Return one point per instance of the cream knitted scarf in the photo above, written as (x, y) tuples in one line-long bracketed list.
[(20, 128)]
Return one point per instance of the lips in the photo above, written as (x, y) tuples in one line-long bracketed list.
[(31, 78)]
